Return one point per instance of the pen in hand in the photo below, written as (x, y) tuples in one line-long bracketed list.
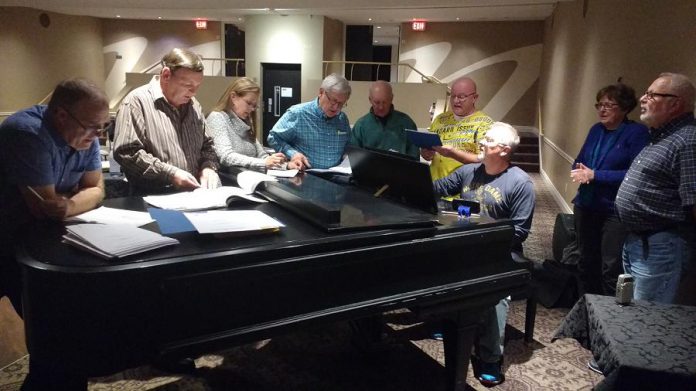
[(31, 189)]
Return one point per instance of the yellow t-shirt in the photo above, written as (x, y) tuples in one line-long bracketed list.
[(463, 135)]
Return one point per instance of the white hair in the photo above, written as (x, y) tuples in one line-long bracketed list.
[(336, 83), (505, 134)]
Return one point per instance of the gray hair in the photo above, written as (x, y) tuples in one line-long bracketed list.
[(336, 83), (508, 135), (683, 87), (182, 58)]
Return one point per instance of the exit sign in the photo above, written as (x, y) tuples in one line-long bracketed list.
[(418, 25), (201, 24)]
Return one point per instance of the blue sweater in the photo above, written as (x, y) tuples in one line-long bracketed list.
[(610, 161)]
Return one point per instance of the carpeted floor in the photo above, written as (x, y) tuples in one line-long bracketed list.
[(406, 358)]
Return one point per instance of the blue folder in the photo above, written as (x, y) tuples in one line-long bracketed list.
[(423, 139)]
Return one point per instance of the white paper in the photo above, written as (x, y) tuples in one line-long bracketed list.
[(222, 221), (106, 215), (114, 240), (282, 173), (248, 180), (342, 168), (200, 199), (286, 92)]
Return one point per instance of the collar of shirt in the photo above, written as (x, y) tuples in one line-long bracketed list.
[(156, 92), (318, 111), (657, 134), (383, 120)]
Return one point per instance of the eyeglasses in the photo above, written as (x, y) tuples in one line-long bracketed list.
[(88, 129), (461, 97), (651, 95), (251, 104), (335, 102), (490, 142), (605, 105)]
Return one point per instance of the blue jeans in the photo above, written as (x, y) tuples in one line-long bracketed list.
[(656, 262), (492, 332)]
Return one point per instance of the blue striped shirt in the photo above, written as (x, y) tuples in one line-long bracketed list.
[(306, 129), (659, 189)]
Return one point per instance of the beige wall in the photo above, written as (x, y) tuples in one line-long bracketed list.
[(35, 58), (333, 45), (413, 99), (292, 39), (142, 43), (588, 48), (502, 57)]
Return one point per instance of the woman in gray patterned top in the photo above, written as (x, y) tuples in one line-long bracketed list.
[(231, 124)]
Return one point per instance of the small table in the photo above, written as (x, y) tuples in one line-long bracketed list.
[(642, 346)]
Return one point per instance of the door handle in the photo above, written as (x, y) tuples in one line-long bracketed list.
[(276, 98)]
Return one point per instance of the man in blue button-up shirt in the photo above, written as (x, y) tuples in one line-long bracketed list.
[(49, 167), (314, 134)]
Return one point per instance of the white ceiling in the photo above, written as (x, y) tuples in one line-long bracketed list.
[(387, 14)]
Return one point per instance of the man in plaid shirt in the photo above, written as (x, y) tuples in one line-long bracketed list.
[(656, 201)]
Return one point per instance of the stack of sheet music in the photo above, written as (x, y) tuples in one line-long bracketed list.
[(114, 240)]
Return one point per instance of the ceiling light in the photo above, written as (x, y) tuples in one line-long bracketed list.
[(369, 19), (379, 27), (457, 18), (118, 16), (376, 41), (159, 17)]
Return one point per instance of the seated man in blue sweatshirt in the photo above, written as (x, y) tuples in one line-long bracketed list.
[(504, 192)]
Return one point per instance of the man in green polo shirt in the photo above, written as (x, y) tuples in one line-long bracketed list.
[(383, 127)]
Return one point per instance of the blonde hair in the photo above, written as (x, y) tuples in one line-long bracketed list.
[(240, 87)]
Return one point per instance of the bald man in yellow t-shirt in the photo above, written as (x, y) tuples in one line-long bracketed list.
[(459, 129)]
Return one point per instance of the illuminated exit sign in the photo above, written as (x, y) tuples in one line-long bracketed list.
[(418, 25), (201, 24)]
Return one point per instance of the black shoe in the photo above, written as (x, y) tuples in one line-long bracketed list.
[(592, 364), (490, 373), (175, 365)]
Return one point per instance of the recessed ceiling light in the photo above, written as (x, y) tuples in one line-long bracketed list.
[(457, 18), (379, 27), (376, 41), (239, 19), (159, 17), (118, 16), (369, 19)]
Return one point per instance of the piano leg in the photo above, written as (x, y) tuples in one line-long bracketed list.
[(458, 339), (47, 375)]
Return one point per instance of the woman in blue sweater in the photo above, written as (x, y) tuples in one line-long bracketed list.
[(601, 165)]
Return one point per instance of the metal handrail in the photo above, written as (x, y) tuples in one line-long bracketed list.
[(424, 77), (221, 59)]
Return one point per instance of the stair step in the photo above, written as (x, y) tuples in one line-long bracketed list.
[(527, 148), (527, 167), (526, 157)]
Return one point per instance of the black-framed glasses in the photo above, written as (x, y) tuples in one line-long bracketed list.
[(605, 105), (88, 129), (461, 97), (651, 95)]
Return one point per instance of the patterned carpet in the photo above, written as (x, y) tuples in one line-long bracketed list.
[(406, 358)]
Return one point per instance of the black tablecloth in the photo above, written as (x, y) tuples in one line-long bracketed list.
[(643, 346)]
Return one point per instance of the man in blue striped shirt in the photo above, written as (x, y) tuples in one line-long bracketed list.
[(657, 199), (314, 134)]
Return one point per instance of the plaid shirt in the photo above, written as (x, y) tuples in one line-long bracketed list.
[(306, 129), (659, 189)]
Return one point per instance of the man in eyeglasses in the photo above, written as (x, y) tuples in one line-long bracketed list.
[(460, 129), (50, 166), (314, 134), (656, 201), (503, 192), (160, 139)]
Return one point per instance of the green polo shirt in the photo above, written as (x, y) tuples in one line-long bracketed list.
[(370, 131)]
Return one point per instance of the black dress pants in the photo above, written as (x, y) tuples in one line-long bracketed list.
[(600, 238)]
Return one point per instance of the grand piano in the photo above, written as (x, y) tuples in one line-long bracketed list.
[(85, 316)]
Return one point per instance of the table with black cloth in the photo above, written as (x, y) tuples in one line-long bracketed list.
[(642, 346)]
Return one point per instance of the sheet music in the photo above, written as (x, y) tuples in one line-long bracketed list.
[(106, 215), (224, 221), (114, 240), (282, 173), (342, 168), (200, 199), (248, 180)]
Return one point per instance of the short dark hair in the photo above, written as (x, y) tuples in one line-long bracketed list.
[(70, 92), (622, 94)]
